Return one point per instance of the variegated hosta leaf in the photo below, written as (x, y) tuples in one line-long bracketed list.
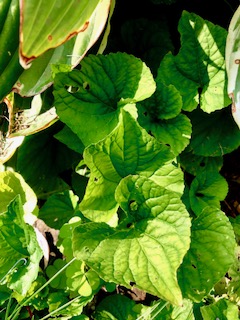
[(40, 76), (8, 146), (45, 24), (232, 57), (16, 124), (27, 123)]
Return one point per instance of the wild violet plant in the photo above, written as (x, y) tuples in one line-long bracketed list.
[(143, 206)]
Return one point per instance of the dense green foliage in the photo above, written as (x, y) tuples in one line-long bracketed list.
[(121, 153)]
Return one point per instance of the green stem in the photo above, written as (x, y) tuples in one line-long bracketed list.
[(8, 307), (158, 311), (25, 302), (60, 308), (148, 312), (229, 5)]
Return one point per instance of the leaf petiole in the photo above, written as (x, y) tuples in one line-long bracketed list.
[(60, 308), (25, 302)]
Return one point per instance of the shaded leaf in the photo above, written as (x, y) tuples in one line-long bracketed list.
[(70, 139), (42, 159), (207, 189), (194, 164), (175, 132), (199, 65), (207, 140), (210, 256), (160, 116), (222, 309), (115, 307), (60, 281), (164, 104), (58, 209)]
